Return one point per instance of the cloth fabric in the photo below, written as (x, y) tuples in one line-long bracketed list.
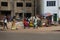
[(13, 25), (31, 24), (5, 20), (26, 23)]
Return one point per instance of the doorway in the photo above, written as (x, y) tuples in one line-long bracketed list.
[(27, 15), (19, 16), (6, 13)]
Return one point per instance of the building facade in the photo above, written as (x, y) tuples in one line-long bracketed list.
[(51, 7), (5, 7), (19, 8), (27, 8)]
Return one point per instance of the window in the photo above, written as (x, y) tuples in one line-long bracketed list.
[(19, 4), (51, 3), (28, 4), (4, 3)]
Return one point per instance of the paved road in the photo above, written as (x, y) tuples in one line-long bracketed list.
[(29, 36)]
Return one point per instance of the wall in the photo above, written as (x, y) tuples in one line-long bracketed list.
[(50, 9), (21, 9), (59, 8), (7, 7)]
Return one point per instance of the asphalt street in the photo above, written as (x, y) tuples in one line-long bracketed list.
[(29, 36)]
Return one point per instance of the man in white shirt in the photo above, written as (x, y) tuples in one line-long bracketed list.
[(5, 23)]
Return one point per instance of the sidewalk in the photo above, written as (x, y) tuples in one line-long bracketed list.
[(41, 29)]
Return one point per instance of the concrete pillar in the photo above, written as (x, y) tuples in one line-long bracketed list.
[(12, 8), (23, 8)]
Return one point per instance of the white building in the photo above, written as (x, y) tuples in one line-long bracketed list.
[(50, 6)]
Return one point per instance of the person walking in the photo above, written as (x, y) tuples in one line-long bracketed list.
[(14, 25), (5, 23), (35, 23), (39, 24), (25, 22)]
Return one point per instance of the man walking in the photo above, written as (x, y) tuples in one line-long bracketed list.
[(5, 22), (35, 22)]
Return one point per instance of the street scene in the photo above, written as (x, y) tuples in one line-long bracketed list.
[(29, 19), (29, 14)]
